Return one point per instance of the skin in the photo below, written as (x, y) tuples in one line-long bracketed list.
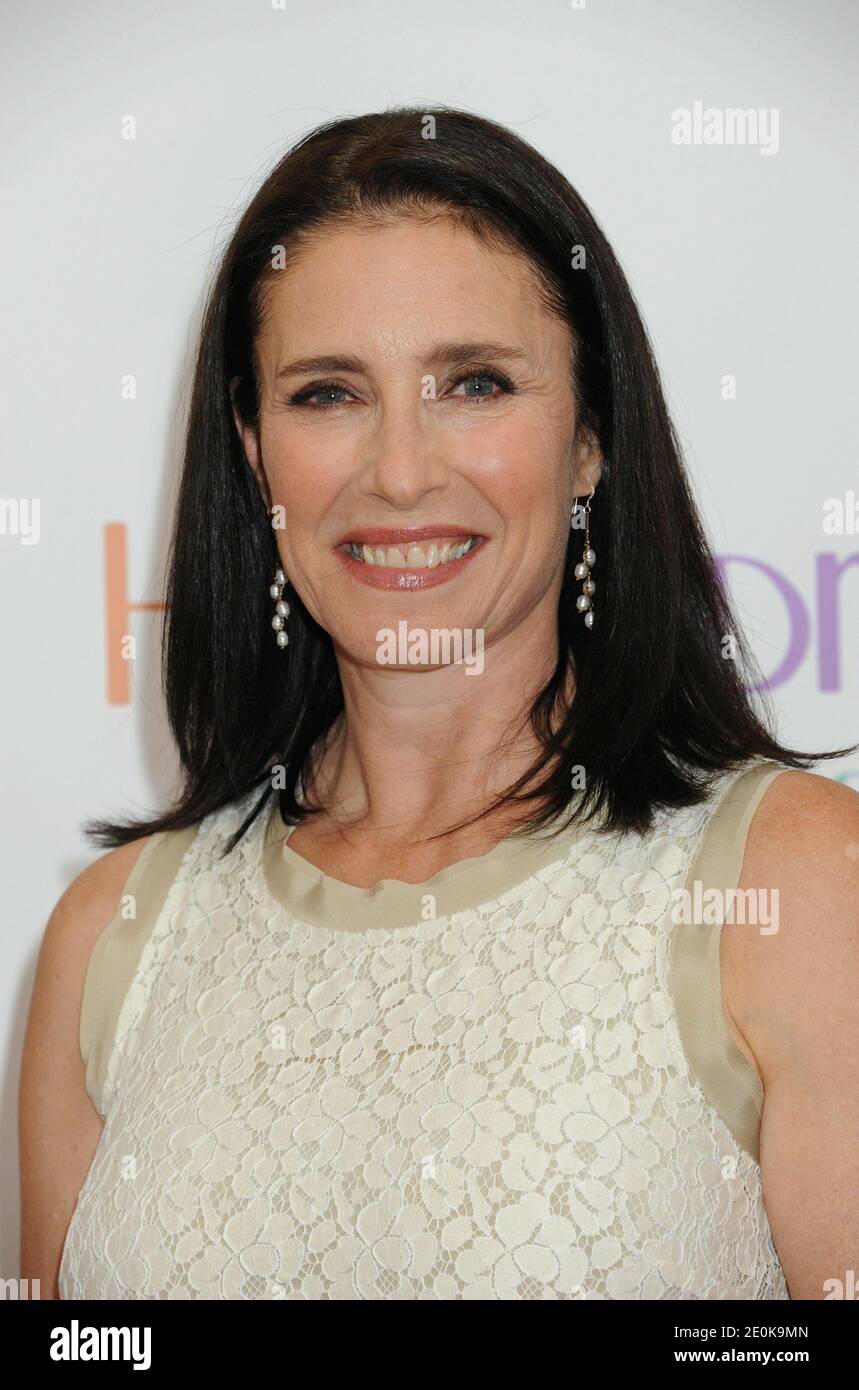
[(58, 1124), (791, 998), (509, 468)]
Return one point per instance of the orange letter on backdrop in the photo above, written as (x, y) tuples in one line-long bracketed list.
[(118, 609)]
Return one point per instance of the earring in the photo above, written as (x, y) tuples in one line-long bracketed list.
[(281, 608), (584, 602)]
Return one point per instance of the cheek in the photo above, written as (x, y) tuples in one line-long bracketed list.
[(300, 479), (526, 455), (526, 483)]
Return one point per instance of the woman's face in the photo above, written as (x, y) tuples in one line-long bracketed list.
[(445, 412)]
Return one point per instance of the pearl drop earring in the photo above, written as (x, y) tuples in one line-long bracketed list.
[(584, 602), (281, 608)]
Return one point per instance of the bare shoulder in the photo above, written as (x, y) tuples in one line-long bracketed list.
[(87, 904), (59, 1126), (790, 989), (802, 863), (803, 846), (805, 813), (77, 920)]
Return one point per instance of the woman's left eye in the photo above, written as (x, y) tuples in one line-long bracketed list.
[(485, 379)]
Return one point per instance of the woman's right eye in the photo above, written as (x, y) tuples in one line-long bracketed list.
[(326, 388)]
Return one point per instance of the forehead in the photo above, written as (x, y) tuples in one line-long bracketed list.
[(406, 282)]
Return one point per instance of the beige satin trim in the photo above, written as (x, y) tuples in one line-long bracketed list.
[(117, 952), (315, 897), (727, 1077)]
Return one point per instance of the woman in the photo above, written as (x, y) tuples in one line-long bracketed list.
[(471, 1032)]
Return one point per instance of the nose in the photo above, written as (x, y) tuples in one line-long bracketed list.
[(403, 454)]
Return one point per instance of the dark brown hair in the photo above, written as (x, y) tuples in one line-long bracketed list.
[(657, 711)]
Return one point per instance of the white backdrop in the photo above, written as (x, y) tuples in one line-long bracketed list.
[(741, 257)]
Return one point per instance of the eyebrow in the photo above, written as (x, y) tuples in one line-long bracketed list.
[(442, 354)]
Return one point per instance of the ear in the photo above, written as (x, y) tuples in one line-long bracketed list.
[(587, 463), (250, 446)]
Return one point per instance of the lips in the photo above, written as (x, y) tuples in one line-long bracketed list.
[(393, 558)]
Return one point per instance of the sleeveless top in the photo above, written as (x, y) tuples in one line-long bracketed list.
[(512, 1081)]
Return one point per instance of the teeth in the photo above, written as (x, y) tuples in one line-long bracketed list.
[(414, 557)]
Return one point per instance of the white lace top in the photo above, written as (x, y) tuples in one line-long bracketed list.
[(316, 1091)]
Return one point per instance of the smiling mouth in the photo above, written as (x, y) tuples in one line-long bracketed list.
[(430, 554)]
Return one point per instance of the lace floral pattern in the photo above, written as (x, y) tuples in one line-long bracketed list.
[(492, 1105)]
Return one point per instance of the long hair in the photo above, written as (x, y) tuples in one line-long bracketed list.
[(657, 711)]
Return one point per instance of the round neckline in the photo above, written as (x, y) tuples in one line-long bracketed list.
[(316, 897)]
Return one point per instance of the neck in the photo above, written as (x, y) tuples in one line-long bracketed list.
[(415, 752)]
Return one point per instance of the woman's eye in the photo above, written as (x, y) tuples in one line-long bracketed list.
[(329, 389), (484, 379)]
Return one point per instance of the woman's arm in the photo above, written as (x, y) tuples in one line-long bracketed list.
[(59, 1126), (793, 994)]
